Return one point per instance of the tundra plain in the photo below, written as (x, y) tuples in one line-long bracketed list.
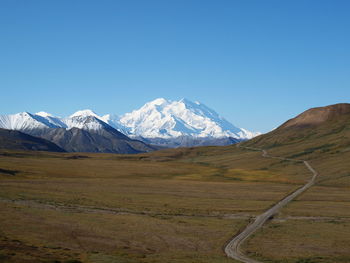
[(178, 205)]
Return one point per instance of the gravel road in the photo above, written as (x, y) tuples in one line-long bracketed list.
[(232, 249)]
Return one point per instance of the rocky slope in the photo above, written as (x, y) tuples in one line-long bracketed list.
[(16, 140)]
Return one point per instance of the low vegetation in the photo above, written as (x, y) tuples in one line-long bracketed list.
[(316, 226), (179, 205), (169, 206)]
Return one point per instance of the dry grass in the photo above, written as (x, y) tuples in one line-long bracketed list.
[(139, 208), (178, 205), (325, 238), (91, 237), (311, 241)]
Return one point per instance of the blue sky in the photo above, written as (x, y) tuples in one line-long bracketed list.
[(257, 63)]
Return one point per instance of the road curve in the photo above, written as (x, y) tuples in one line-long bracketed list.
[(232, 249)]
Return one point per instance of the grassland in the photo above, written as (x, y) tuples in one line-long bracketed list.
[(170, 206), (316, 226), (179, 205)]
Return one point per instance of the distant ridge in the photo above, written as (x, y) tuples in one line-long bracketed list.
[(16, 140), (106, 140)]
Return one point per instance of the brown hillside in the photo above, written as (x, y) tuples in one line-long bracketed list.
[(319, 115), (314, 127)]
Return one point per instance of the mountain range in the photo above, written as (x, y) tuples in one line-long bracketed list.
[(160, 122)]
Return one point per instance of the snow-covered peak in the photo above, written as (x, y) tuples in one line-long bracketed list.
[(49, 118), (163, 118), (84, 113), (24, 121), (86, 120), (159, 101), (106, 118), (43, 114), (248, 134), (85, 123)]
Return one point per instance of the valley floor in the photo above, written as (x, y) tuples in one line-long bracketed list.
[(170, 206)]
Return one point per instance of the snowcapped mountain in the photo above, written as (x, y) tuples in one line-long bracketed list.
[(163, 122), (84, 113), (163, 118), (83, 131), (25, 121), (86, 120), (56, 121)]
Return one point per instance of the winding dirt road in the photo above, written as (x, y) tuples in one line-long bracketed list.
[(232, 249)]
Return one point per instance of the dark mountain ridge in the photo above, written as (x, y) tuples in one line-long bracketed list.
[(105, 139), (16, 140)]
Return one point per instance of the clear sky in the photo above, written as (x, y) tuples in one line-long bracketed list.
[(257, 63)]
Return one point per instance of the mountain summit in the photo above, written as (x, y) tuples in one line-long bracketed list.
[(84, 113), (163, 118)]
